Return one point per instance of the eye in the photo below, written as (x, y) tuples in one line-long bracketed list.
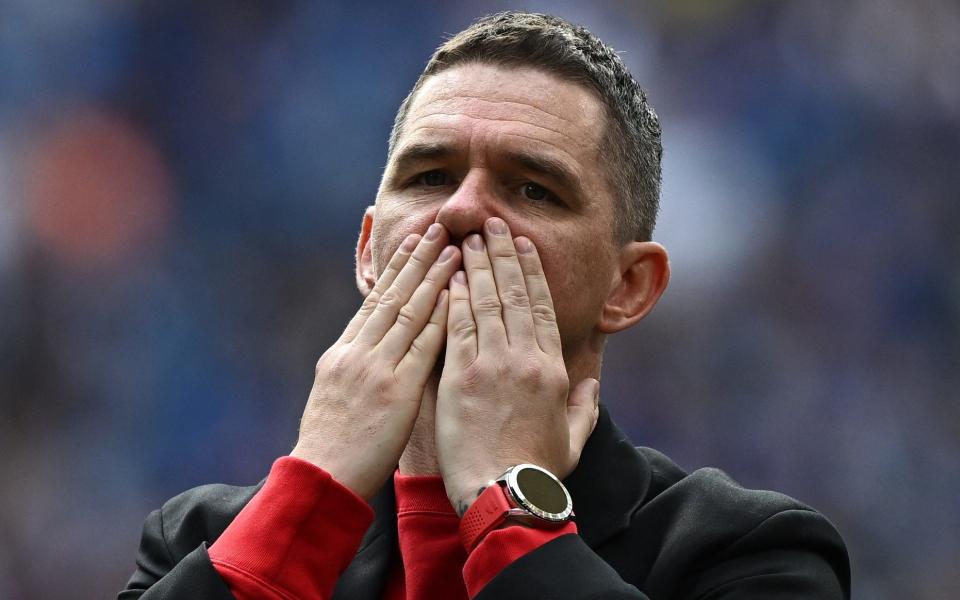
[(432, 178), (534, 192)]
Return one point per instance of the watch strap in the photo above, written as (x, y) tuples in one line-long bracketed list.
[(488, 511)]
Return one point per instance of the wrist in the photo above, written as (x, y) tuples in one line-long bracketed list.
[(524, 494), (338, 471), (312, 455), (464, 490), (462, 501)]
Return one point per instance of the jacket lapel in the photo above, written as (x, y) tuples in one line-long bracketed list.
[(609, 484)]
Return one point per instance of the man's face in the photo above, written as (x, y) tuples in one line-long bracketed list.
[(517, 143)]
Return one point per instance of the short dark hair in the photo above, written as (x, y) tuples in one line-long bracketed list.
[(633, 149)]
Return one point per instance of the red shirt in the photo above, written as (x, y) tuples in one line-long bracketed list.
[(302, 529)]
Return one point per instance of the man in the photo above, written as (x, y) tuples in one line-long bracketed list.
[(510, 236)]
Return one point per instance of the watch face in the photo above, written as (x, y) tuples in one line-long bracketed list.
[(542, 490)]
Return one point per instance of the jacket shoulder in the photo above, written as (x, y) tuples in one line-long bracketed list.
[(175, 538), (706, 522), (711, 491), (200, 515)]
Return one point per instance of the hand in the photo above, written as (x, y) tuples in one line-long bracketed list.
[(504, 396), (368, 385)]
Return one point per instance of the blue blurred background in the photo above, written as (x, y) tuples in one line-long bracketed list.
[(181, 184)]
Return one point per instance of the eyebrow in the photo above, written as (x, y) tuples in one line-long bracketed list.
[(541, 164), (547, 166), (419, 152)]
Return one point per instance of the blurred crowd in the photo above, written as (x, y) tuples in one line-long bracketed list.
[(181, 184)]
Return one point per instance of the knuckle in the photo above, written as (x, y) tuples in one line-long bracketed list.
[(427, 342), (503, 254), (407, 316), (479, 268), (390, 298), (559, 377), (487, 305), (463, 328), (435, 276), (432, 280), (370, 302), (418, 346), (416, 262), (532, 268), (531, 373), (515, 296), (383, 385), (472, 378), (543, 312), (335, 365)]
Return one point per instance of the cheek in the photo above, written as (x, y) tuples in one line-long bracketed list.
[(390, 228), (578, 285), (562, 277)]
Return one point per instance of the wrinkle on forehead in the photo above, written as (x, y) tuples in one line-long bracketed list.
[(479, 98), (453, 129), (481, 91), (445, 106)]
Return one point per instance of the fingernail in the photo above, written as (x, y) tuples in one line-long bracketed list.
[(596, 392), (410, 243), (459, 278), (447, 254), (523, 245), (433, 232), (497, 226), (475, 242)]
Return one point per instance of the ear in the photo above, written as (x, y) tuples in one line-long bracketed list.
[(366, 278), (644, 271)]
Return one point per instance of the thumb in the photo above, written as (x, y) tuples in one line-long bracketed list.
[(582, 412)]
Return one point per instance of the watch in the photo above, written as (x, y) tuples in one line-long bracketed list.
[(526, 493)]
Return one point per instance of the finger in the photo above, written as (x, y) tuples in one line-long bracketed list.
[(418, 362), (541, 303), (414, 315), (583, 410), (484, 301), (511, 287), (461, 327), (397, 261), (399, 292)]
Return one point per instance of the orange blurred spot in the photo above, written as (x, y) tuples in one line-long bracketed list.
[(97, 191)]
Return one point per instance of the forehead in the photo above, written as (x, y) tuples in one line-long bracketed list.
[(520, 104)]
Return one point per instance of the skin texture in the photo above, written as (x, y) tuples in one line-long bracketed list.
[(507, 160), (368, 385)]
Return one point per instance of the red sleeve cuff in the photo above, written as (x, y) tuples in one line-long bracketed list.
[(294, 538), (501, 547)]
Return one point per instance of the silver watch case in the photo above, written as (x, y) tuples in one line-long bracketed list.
[(524, 506)]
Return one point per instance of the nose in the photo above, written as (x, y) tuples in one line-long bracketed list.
[(468, 208)]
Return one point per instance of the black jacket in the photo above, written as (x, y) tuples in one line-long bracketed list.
[(647, 530)]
